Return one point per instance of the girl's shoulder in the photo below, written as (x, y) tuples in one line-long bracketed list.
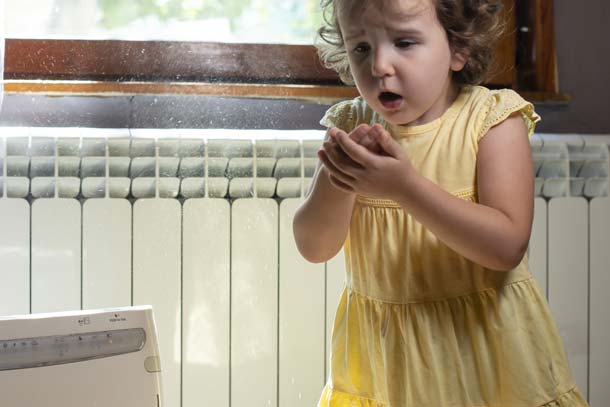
[(489, 107), (348, 114)]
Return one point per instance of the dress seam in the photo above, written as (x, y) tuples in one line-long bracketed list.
[(352, 395), (361, 294), (377, 202), (390, 403), (465, 193), (468, 194), (503, 115), (573, 388)]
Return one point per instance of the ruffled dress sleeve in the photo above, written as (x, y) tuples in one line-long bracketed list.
[(499, 105), (342, 115)]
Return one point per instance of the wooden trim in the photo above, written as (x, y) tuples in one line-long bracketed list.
[(164, 61), (315, 93), (537, 57)]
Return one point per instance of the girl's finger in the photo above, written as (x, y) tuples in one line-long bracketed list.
[(357, 153), (359, 132), (332, 168), (340, 160), (333, 134), (367, 141), (387, 143)]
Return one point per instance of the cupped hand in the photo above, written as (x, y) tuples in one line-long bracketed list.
[(363, 135), (354, 168)]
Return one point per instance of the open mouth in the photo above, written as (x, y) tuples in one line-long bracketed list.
[(390, 100)]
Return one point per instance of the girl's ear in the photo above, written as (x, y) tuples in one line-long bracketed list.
[(458, 61)]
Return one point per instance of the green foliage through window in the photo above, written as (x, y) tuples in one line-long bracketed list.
[(285, 20)]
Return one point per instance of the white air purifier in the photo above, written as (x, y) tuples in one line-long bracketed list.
[(106, 357)]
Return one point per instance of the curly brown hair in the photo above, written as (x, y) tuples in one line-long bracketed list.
[(473, 29)]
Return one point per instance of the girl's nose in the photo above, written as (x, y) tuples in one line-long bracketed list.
[(382, 65)]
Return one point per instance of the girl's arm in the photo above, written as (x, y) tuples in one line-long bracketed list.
[(321, 222), (495, 231)]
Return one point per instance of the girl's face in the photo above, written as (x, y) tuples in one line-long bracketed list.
[(400, 59)]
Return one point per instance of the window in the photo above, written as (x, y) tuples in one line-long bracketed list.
[(242, 69)]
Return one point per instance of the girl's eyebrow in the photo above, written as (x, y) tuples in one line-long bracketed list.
[(407, 31), (394, 30)]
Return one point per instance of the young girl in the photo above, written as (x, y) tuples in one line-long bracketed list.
[(426, 179)]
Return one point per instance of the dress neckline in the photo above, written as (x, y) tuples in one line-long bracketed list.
[(406, 130)]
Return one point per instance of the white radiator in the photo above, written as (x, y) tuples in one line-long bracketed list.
[(176, 221)]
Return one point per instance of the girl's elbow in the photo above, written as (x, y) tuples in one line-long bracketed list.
[(310, 253), (511, 259), (307, 248), (508, 266), (315, 258), (520, 251)]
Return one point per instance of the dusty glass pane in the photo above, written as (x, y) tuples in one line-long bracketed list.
[(250, 21)]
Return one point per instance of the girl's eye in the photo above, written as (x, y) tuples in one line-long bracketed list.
[(361, 48), (404, 44)]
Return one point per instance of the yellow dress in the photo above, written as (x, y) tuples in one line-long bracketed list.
[(420, 325)]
